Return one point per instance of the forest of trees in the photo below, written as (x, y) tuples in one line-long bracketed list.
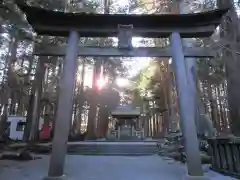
[(217, 79), (29, 84)]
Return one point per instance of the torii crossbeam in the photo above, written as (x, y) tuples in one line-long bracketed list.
[(56, 23), (53, 23)]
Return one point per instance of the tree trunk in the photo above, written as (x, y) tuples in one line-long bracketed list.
[(58, 72), (7, 89), (81, 99), (225, 124), (91, 127), (12, 109), (232, 64), (31, 131), (93, 102), (213, 105), (103, 122)]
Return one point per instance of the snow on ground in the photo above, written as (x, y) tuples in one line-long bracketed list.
[(103, 168)]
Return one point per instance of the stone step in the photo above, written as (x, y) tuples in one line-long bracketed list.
[(130, 149)]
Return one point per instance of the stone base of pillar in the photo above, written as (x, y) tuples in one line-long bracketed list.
[(63, 177), (187, 177)]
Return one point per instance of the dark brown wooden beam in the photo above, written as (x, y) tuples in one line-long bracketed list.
[(52, 50)]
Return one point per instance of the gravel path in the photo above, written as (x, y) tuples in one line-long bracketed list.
[(102, 168)]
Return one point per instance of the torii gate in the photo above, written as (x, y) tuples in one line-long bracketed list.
[(71, 25)]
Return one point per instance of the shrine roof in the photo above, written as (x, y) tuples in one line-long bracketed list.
[(126, 111), (125, 117), (56, 23)]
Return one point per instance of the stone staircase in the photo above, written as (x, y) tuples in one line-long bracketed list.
[(113, 148)]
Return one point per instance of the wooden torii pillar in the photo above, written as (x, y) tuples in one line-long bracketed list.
[(54, 23)]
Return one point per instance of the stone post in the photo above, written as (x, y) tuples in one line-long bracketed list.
[(64, 111), (191, 63), (187, 109)]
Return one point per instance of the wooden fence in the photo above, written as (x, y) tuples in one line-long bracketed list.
[(225, 154)]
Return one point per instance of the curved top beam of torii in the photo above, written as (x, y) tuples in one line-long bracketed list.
[(55, 23)]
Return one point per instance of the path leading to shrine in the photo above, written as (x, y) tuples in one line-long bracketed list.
[(103, 168)]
